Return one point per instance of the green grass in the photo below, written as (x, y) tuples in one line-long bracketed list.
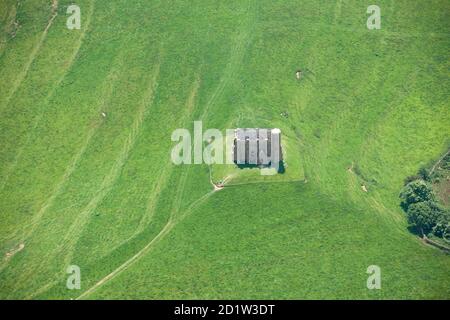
[(101, 193)]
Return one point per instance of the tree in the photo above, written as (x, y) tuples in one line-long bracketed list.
[(421, 216), (424, 174), (442, 227), (442, 230), (411, 179), (415, 192), (426, 215)]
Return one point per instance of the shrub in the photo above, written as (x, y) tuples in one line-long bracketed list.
[(442, 230), (446, 162), (424, 174), (421, 216), (442, 227), (411, 179), (415, 192), (429, 216)]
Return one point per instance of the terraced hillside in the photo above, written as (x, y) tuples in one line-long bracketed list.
[(100, 192)]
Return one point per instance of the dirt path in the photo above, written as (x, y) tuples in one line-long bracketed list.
[(10, 25), (237, 53), (13, 251), (235, 59), (165, 230), (71, 60), (77, 227), (162, 180), (72, 235), (130, 261), (60, 185), (75, 160), (439, 161), (33, 54), (35, 220)]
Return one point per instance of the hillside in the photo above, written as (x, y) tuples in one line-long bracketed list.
[(79, 188)]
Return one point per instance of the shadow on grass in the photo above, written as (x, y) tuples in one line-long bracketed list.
[(415, 231), (281, 168)]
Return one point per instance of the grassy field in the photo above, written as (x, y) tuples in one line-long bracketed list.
[(99, 192)]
